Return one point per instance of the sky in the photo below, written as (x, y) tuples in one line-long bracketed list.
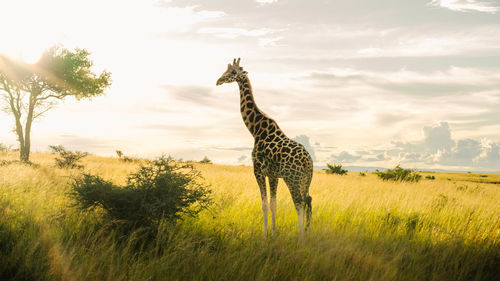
[(361, 83)]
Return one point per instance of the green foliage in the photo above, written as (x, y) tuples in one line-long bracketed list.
[(205, 160), (68, 73), (28, 91), (430, 177), (399, 174), (362, 174), (160, 189), (125, 158), (22, 257), (335, 169), (67, 159), (369, 233)]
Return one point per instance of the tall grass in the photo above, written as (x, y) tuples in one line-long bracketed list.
[(363, 229)]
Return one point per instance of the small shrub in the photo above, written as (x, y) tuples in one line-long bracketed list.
[(67, 158), (3, 147), (430, 177), (335, 169), (125, 158), (159, 189), (7, 163), (205, 160), (119, 153), (399, 174), (362, 174)]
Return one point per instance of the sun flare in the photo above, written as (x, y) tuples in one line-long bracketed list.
[(31, 55)]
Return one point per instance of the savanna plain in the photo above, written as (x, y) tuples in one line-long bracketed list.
[(363, 229)]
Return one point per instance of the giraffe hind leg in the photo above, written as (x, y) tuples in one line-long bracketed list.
[(299, 201), (308, 211), (300, 218), (273, 186)]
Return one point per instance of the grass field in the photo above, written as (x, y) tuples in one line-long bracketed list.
[(363, 229)]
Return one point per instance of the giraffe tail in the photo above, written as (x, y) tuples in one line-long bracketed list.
[(308, 211)]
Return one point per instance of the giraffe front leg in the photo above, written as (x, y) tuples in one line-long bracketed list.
[(261, 180), (273, 186)]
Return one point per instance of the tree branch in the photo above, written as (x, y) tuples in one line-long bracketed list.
[(38, 114), (49, 96)]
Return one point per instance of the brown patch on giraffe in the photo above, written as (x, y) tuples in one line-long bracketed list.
[(274, 154)]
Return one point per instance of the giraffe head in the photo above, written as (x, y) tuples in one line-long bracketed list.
[(233, 72)]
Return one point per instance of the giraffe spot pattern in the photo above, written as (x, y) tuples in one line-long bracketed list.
[(274, 154)]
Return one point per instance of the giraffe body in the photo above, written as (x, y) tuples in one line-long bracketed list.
[(274, 154)]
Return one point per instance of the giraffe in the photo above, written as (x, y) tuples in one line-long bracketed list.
[(274, 154)]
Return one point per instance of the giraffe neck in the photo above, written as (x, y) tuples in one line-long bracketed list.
[(249, 110)]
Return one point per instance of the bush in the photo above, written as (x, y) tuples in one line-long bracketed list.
[(125, 158), (399, 174), (205, 160), (67, 158), (160, 189), (3, 147), (430, 177), (335, 169)]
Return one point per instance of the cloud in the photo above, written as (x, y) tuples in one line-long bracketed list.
[(439, 148), (191, 93), (266, 1), (452, 81), (490, 155), (376, 158), (304, 140), (466, 5), (269, 42), (392, 118), (438, 137), (344, 157), (238, 148), (242, 159), (370, 51), (232, 32)]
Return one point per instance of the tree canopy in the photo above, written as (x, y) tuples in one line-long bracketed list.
[(30, 90)]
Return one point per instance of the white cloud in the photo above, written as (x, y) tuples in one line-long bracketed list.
[(269, 42), (453, 79), (466, 5), (438, 137), (231, 32), (370, 51), (344, 157), (266, 1), (438, 148)]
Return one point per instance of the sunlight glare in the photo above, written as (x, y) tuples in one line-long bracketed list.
[(32, 55)]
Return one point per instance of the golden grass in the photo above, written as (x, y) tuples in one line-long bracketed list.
[(363, 229)]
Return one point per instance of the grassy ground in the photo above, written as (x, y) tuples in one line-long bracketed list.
[(363, 229)]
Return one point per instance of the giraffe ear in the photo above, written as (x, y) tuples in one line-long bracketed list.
[(228, 66), (244, 72)]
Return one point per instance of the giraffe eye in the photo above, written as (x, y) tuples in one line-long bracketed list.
[(233, 72)]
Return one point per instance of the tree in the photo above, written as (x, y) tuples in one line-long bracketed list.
[(30, 90), (67, 158)]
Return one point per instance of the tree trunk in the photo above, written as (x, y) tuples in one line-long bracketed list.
[(19, 131), (23, 156), (25, 151)]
